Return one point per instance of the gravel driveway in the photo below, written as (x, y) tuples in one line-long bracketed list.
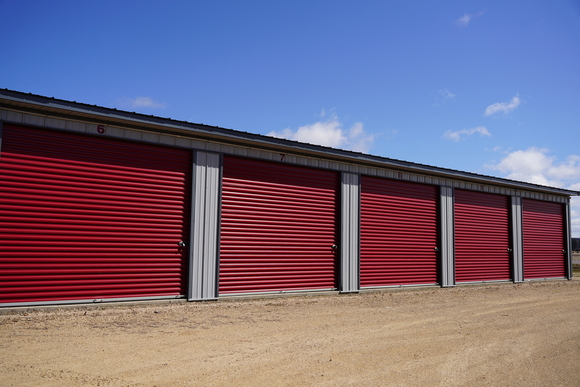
[(486, 335)]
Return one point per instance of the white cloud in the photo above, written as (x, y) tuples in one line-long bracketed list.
[(330, 133), (461, 134), (533, 165), (575, 215), (140, 102), (503, 107), (464, 20)]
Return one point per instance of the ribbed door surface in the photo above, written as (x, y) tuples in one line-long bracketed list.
[(482, 237), (398, 233), (90, 217), (278, 227), (543, 228)]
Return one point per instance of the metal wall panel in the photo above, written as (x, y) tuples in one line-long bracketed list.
[(544, 244), (517, 240), (278, 227), (350, 234), (205, 227), (482, 237), (399, 235), (447, 237), (568, 239), (90, 218)]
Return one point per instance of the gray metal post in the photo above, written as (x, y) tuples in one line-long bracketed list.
[(350, 233), (447, 249), (568, 236), (517, 239), (204, 261)]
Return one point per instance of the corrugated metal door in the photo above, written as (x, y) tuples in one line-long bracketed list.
[(398, 233), (278, 227), (90, 217), (543, 228), (482, 237)]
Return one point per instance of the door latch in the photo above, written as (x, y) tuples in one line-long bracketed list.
[(181, 244)]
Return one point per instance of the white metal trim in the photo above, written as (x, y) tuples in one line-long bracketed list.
[(87, 301)]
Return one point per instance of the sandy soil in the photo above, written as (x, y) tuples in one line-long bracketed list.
[(491, 335)]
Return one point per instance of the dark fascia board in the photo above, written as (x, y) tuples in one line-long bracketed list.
[(37, 104)]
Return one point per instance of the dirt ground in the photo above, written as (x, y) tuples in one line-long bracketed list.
[(486, 335)]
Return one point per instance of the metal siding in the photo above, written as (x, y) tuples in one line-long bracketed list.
[(543, 227), (278, 226), (568, 236), (204, 252), (447, 237), (90, 218), (482, 237), (398, 233), (517, 241), (350, 236)]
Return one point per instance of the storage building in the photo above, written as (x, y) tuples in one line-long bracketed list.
[(98, 204)]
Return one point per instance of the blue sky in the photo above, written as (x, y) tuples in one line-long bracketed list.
[(490, 87)]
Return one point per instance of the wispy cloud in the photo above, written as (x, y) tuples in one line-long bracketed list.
[(146, 102), (446, 94), (464, 20), (503, 107), (140, 102), (443, 95), (330, 133), (463, 133), (534, 165)]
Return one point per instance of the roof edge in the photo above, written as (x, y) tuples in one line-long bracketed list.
[(42, 105)]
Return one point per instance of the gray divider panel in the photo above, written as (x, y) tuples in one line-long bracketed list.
[(517, 240), (203, 268), (350, 233), (568, 239), (447, 249)]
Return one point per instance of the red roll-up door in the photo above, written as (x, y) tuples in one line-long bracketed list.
[(398, 233), (278, 227), (86, 217), (543, 228), (482, 237)]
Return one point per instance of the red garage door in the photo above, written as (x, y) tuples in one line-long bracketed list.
[(543, 228), (90, 217), (278, 227), (398, 233), (482, 238)]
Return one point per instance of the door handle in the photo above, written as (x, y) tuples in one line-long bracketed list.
[(181, 244)]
